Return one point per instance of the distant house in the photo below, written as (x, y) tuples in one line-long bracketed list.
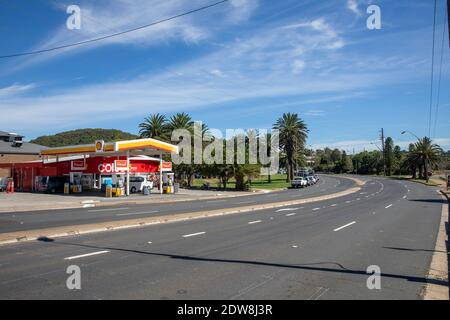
[(310, 160), (13, 149)]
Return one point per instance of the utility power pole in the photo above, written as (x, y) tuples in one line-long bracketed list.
[(382, 150), (448, 19)]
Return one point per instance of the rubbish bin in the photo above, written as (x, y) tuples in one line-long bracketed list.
[(176, 186), (108, 189), (146, 191)]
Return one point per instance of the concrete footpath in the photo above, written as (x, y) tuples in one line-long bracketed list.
[(440, 267), (21, 201), (31, 235)]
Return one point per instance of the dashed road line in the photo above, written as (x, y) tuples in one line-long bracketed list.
[(245, 202), (112, 209), (315, 209), (290, 214), (347, 225), (287, 209), (388, 206), (193, 234), (255, 222), (136, 213), (86, 255)]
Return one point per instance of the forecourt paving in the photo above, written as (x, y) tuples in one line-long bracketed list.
[(317, 251)]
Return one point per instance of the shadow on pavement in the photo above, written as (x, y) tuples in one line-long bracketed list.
[(415, 250), (429, 200), (308, 267)]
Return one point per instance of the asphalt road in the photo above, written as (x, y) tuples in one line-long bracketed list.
[(317, 251), (19, 221)]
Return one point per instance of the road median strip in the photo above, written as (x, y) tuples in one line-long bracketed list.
[(56, 232)]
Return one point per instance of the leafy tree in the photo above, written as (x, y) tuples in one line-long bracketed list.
[(389, 155), (345, 164)]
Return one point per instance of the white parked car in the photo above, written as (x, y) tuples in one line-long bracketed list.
[(311, 180), (299, 182), (137, 183)]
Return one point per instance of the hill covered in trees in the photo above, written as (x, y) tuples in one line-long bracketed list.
[(82, 136)]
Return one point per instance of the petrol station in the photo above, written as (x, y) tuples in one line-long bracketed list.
[(99, 165)]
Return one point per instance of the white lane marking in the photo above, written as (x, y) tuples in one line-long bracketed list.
[(358, 199), (136, 213), (88, 205), (347, 225), (333, 205), (287, 209), (149, 242), (245, 202), (254, 222), (111, 209), (86, 255), (315, 209), (348, 201), (290, 214), (193, 234), (388, 206), (404, 197)]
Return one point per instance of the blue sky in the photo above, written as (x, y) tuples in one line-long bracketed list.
[(238, 65)]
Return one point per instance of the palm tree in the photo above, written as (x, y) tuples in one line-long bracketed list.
[(411, 161), (427, 153), (292, 136), (154, 126), (180, 121)]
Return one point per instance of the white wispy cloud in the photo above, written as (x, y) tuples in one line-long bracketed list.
[(314, 113), (100, 18), (352, 5), (16, 89), (257, 65)]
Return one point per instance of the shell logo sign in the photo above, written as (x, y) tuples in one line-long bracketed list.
[(99, 145)]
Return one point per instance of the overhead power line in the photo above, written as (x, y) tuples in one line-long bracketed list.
[(114, 34), (432, 70), (439, 81)]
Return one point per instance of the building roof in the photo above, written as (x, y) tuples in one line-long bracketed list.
[(25, 148), (9, 134)]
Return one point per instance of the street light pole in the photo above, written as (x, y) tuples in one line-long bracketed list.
[(384, 153), (407, 131)]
